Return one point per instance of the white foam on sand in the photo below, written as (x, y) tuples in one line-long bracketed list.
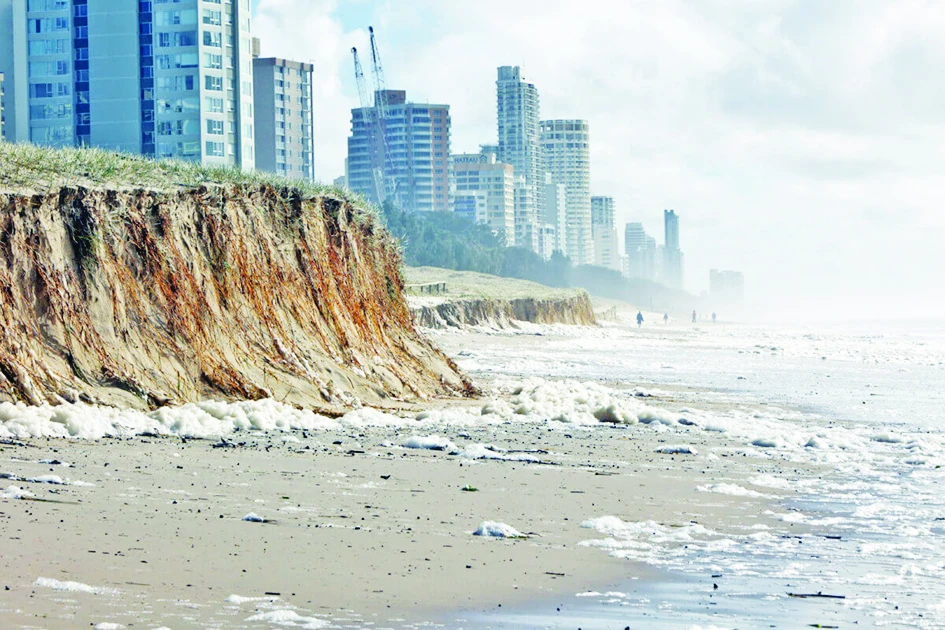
[(74, 587), (289, 618), (730, 489), (252, 517), (15, 492), (108, 625), (492, 529), (431, 442)]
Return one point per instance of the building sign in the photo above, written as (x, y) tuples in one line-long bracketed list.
[(470, 158)]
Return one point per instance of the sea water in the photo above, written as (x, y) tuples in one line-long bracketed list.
[(861, 403)]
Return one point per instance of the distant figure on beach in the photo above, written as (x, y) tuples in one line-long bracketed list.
[(665, 318), (713, 318), (639, 319), (693, 317)]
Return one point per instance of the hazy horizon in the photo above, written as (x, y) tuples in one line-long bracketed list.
[(801, 143)]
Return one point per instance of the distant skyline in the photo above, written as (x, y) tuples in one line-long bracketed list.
[(800, 142)]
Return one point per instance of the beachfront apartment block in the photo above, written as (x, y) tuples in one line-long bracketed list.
[(401, 154), (566, 155), (673, 262), (641, 260), (726, 287), (555, 214), (283, 121), (483, 190), (519, 133), (160, 78), (604, 234), (2, 118)]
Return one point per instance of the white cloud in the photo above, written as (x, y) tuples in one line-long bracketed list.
[(801, 142)]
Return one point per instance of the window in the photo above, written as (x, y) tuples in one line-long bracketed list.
[(214, 105), (48, 25), (48, 68), (214, 40), (48, 47), (212, 83), (180, 60), (181, 38), (214, 149), (48, 5), (173, 18), (177, 84), (215, 127), (49, 90), (214, 62), (50, 112), (214, 18)]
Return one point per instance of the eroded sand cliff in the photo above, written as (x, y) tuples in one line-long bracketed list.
[(143, 298)]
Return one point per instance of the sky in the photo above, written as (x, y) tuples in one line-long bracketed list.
[(800, 141)]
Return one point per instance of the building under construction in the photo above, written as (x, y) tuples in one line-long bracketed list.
[(398, 151), (403, 155)]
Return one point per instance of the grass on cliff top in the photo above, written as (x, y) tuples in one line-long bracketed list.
[(470, 284), (34, 168)]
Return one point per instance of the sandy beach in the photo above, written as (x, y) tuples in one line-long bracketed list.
[(357, 528)]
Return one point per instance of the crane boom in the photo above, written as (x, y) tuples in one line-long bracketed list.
[(369, 120), (380, 105), (359, 79)]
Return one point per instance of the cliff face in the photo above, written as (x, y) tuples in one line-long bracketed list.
[(501, 313), (145, 298)]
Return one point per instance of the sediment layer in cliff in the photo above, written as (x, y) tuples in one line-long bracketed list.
[(140, 297), (504, 313)]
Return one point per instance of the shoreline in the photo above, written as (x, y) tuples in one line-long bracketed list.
[(416, 525)]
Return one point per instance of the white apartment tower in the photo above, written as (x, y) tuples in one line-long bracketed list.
[(160, 78), (566, 154), (483, 190), (606, 247), (283, 117), (556, 212), (517, 110)]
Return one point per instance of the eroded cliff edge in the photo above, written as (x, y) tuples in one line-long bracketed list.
[(446, 298), (143, 298)]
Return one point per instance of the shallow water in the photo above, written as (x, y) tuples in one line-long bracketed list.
[(863, 405)]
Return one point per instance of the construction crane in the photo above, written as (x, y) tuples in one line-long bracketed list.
[(391, 187), (369, 119)]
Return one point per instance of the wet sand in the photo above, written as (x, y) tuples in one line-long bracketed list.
[(357, 531)]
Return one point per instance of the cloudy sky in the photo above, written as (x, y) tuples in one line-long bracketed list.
[(801, 141)]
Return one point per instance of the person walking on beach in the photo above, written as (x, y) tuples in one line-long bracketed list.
[(693, 316), (639, 319), (665, 318), (713, 318)]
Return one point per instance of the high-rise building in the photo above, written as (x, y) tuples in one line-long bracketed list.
[(673, 262), (484, 191), (407, 162), (641, 253), (555, 212), (517, 110), (566, 155), (606, 245), (602, 212), (283, 117), (526, 223), (2, 118), (671, 227), (726, 287), (157, 78)]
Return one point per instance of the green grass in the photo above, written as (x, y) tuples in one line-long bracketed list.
[(30, 167), (471, 284)]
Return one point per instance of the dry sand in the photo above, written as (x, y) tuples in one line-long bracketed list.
[(359, 531)]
